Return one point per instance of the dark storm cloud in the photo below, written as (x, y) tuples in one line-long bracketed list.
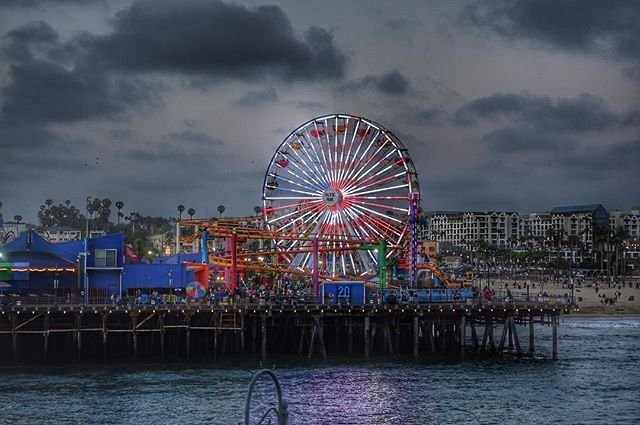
[(39, 4), (42, 91), (632, 118), (579, 114), (34, 32), (196, 138), (401, 24), (632, 72), (311, 105), (618, 157), (208, 37), (392, 83), (607, 28), (256, 98), (33, 38), (512, 140), (426, 115), (121, 134)]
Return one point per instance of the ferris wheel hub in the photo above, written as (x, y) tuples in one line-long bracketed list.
[(331, 197)]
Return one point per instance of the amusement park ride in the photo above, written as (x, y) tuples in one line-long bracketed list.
[(340, 198)]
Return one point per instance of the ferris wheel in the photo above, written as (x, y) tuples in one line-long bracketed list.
[(339, 178)]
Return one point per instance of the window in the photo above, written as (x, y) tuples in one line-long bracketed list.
[(106, 258)]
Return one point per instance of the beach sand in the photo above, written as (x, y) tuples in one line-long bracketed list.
[(589, 302)]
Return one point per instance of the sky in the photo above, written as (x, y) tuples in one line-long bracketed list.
[(519, 105)]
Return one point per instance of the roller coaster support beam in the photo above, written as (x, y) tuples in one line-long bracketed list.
[(234, 262), (415, 201), (316, 267), (205, 248)]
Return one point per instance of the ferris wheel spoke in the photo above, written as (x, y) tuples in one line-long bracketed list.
[(357, 166), (318, 178), (372, 176), (360, 220), (355, 155), (343, 135), (297, 211), (382, 222), (302, 218), (302, 192), (305, 145), (303, 186), (285, 206), (330, 162), (379, 214), (346, 164), (362, 167), (384, 189), (380, 162), (364, 156), (381, 206), (362, 186), (301, 198), (315, 178), (382, 179), (322, 163)]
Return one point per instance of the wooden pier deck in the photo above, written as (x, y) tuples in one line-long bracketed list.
[(109, 332)]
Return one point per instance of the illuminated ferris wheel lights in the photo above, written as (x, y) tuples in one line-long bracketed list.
[(339, 177), (380, 190)]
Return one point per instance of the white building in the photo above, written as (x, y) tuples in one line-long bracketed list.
[(13, 229), (458, 228), (59, 233)]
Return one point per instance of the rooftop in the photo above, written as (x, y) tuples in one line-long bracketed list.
[(589, 208)]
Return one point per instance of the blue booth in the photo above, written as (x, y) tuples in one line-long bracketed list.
[(346, 292)]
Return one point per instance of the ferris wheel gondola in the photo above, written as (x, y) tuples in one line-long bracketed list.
[(339, 178)]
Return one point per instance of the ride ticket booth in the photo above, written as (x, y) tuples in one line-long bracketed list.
[(342, 293)]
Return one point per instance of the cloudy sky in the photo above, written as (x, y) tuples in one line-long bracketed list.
[(520, 105)]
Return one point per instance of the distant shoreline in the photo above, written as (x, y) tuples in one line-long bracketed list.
[(608, 310)]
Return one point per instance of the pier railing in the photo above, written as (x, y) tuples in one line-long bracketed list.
[(500, 299)]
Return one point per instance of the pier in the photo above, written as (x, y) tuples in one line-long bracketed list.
[(52, 332)]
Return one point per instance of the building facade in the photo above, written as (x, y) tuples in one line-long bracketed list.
[(572, 232)]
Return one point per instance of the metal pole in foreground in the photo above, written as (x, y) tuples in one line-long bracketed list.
[(282, 411)]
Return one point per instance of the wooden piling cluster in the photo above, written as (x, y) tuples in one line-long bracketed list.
[(109, 332)]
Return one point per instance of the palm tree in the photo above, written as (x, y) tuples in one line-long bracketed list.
[(221, 209), (619, 241), (257, 209), (191, 213), (119, 206), (180, 211), (17, 218)]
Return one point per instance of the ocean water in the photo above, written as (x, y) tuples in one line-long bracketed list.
[(596, 380)]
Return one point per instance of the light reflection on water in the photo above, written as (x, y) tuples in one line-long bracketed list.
[(595, 381)]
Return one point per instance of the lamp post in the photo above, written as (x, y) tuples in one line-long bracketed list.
[(85, 253)]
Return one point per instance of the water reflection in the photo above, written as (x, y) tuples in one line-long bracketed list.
[(596, 380)]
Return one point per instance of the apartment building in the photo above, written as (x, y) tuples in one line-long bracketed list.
[(573, 224), (460, 228)]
